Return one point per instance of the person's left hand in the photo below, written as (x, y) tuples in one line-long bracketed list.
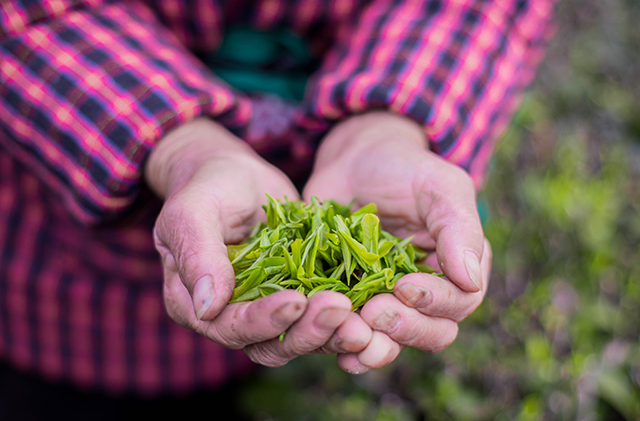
[(383, 158)]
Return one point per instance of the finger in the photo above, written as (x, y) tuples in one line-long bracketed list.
[(238, 324), (351, 364), (448, 207), (242, 324), (382, 350), (407, 326), (177, 300), (189, 237), (326, 310), (435, 296), (353, 335)]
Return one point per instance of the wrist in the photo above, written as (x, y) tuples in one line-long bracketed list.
[(350, 137), (184, 150)]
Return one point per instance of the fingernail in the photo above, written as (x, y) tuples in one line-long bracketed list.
[(386, 321), (413, 296), (358, 370), (203, 295), (349, 345), (287, 313), (339, 344), (472, 263), (330, 317)]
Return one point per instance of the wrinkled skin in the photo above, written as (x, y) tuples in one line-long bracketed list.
[(214, 186), (383, 158)]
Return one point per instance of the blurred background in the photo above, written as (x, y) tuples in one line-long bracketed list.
[(558, 336)]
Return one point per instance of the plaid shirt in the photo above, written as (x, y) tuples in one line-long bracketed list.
[(87, 87)]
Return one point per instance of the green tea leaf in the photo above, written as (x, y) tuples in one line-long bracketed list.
[(252, 294), (424, 268), (319, 288), (371, 236), (268, 289), (370, 232), (291, 266), (309, 256), (295, 251), (349, 242), (384, 247), (366, 209), (321, 246), (256, 277), (234, 250), (248, 249)]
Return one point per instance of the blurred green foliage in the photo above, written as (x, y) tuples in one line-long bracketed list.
[(558, 336)]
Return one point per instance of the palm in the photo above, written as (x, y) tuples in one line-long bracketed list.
[(384, 175), (382, 158), (239, 194)]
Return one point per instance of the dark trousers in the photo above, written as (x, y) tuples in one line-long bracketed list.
[(26, 397)]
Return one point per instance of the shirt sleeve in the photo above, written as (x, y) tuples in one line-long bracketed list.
[(457, 67), (88, 87)]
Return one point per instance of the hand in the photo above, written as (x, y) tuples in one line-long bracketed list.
[(214, 187), (383, 158)]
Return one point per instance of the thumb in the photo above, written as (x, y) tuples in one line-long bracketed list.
[(446, 201), (189, 237)]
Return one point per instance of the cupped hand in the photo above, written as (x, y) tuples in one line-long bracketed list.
[(214, 186), (383, 158)]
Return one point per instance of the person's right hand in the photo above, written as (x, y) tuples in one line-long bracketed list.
[(214, 186)]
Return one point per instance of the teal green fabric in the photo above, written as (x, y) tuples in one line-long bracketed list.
[(275, 61), (483, 209)]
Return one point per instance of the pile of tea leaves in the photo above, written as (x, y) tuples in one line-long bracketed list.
[(321, 246)]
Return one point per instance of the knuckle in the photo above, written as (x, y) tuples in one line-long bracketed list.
[(213, 333), (263, 354), (461, 177), (232, 344), (176, 229), (174, 311), (303, 344), (325, 349), (165, 224), (158, 238), (230, 330), (468, 216), (188, 260)]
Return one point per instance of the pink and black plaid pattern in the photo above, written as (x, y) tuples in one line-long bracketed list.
[(88, 87)]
